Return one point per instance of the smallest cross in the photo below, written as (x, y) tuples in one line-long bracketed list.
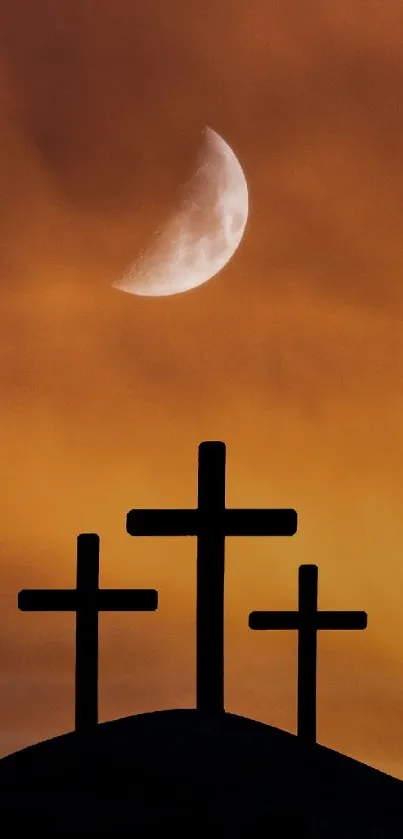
[(87, 600), (307, 621)]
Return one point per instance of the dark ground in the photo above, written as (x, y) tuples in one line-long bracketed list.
[(187, 774)]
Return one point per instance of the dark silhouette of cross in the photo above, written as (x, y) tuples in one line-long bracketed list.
[(307, 620), (211, 522), (87, 600)]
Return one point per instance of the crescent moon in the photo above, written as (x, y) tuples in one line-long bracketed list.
[(199, 238)]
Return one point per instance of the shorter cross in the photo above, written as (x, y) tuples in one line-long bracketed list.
[(307, 620), (87, 600)]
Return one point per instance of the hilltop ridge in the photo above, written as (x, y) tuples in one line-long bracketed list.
[(189, 772)]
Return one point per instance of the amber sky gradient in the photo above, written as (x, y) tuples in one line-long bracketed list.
[(293, 355)]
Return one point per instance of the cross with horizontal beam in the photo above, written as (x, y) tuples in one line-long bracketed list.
[(307, 620), (211, 522), (87, 600)]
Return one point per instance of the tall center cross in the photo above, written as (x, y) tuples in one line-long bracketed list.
[(211, 522), (87, 600)]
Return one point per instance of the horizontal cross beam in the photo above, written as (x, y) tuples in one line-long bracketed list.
[(211, 522), (87, 600), (307, 620), (231, 522), (108, 600), (298, 620)]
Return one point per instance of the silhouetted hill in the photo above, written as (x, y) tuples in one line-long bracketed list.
[(185, 773)]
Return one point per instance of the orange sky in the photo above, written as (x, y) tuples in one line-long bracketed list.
[(293, 355)]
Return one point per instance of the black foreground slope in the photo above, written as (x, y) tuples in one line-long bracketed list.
[(184, 773)]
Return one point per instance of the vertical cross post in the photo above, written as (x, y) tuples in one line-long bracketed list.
[(307, 652), (87, 600), (211, 522), (210, 579), (307, 621), (86, 682)]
